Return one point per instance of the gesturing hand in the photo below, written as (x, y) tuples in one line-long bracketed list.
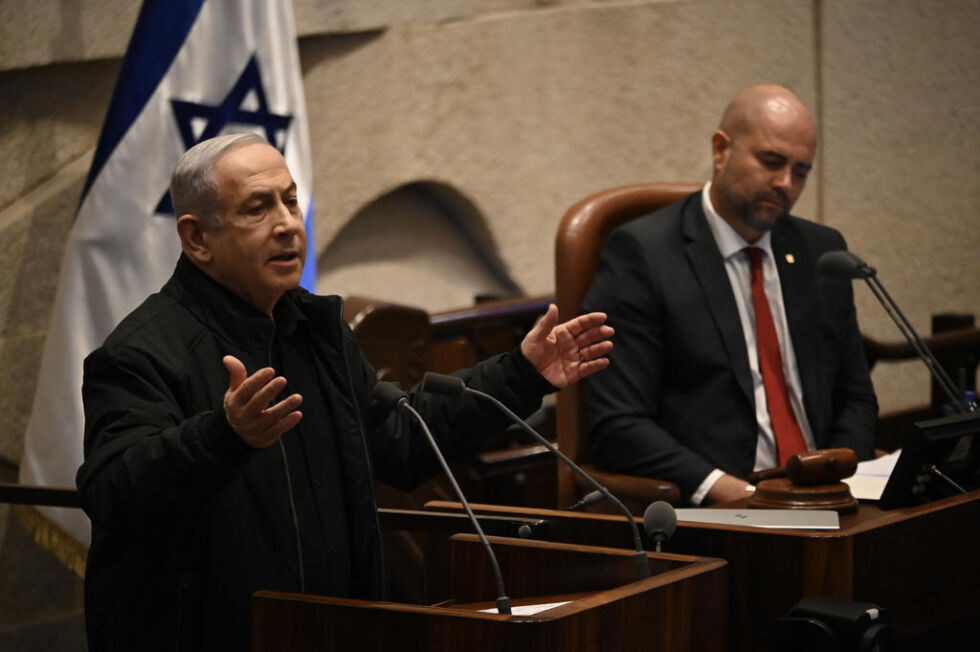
[(247, 404), (566, 353)]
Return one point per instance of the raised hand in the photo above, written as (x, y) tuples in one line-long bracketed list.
[(566, 353), (247, 404)]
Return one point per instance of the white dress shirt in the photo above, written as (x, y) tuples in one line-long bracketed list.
[(731, 245)]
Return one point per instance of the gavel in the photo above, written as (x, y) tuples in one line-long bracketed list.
[(810, 480), (825, 466)]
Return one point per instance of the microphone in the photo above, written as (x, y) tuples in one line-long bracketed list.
[(391, 397), (454, 387), (659, 522), (844, 264)]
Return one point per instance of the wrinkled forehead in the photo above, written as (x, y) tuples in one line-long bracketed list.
[(248, 161), (249, 168)]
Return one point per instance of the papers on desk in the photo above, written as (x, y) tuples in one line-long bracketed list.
[(528, 609), (872, 476), (792, 519)]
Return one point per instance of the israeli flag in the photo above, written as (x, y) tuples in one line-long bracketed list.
[(194, 69)]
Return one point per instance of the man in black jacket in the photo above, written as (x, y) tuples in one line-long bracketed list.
[(230, 441), (694, 394)]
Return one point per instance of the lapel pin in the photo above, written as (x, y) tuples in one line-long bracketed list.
[(790, 258)]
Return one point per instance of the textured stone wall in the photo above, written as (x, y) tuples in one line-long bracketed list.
[(900, 89), (526, 113)]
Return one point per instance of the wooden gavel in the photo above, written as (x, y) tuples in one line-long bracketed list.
[(810, 480), (825, 466)]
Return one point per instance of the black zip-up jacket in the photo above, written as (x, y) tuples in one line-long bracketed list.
[(187, 519)]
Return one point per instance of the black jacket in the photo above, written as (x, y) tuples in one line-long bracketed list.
[(187, 520), (677, 399)]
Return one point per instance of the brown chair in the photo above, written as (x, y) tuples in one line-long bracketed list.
[(397, 339), (581, 235)]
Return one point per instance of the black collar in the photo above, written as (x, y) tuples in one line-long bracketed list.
[(229, 315)]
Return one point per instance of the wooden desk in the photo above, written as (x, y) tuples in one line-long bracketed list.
[(920, 563), (607, 609)]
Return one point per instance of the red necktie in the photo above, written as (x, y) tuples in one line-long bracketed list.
[(789, 438)]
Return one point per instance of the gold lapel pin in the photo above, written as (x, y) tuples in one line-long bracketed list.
[(790, 258)]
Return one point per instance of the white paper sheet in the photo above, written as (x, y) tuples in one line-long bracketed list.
[(528, 609), (793, 519), (872, 476)]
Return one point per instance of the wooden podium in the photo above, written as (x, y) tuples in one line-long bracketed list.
[(921, 563), (681, 606)]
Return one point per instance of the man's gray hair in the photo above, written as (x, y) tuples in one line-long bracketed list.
[(192, 186)]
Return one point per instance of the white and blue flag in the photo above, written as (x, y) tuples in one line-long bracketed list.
[(193, 69)]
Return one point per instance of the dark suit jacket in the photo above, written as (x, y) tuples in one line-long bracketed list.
[(677, 400)]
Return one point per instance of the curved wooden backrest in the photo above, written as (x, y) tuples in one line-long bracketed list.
[(581, 234), (396, 339)]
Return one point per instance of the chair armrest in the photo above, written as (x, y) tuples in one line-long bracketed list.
[(636, 492), (516, 457)]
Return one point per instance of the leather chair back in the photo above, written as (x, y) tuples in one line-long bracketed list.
[(581, 234)]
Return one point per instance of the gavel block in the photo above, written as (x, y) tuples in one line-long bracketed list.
[(811, 480)]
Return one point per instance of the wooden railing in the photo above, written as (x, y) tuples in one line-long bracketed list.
[(955, 342), (25, 494)]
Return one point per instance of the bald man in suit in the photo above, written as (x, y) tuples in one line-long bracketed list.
[(695, 393)]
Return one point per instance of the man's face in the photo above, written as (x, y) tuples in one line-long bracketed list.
[(761, 172), (259, 249)]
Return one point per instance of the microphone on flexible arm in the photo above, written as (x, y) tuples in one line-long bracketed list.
[(391, 397), (844, 264), (454, 387)]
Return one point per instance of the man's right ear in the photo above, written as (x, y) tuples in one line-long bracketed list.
[(194, 238), (721, 147)]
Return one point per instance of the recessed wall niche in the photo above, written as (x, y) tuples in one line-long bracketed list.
[(423, 244)]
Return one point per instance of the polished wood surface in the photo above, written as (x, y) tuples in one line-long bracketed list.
[(824, 466), (921, 563), (783, 493), (680, 607)]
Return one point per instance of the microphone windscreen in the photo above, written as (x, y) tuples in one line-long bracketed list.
[(451, 386), (660, 518), (387, 395), (843, 264)]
